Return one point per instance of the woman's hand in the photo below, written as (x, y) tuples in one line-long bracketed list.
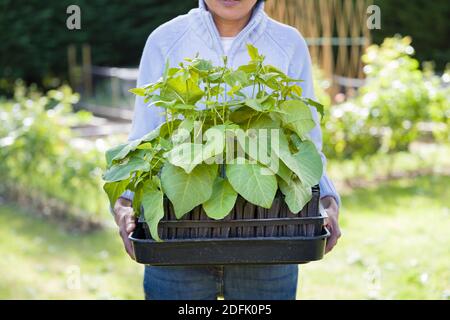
[(332, 222), (124, 217)]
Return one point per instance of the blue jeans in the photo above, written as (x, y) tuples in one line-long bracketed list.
[(254, 282)]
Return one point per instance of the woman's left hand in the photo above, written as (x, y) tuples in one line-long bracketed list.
[(332, 222)]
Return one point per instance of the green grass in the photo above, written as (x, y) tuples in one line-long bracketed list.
[(41, 261), (394, 246)]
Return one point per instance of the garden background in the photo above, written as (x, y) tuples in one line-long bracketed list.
[(387, 141)]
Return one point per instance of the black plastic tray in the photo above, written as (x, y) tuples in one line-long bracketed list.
[(248, 235), (263, 250)]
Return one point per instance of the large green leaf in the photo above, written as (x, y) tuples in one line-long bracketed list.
[(242, 114), (252, 181), (123, 171), (113, 152), (186, 191), (114, 190), (186, 155), (310, 164), (284, 154), (189, 155), (222, 200), (296, 194), (121, 151), (188, 90), (237, 77), (260, 142), (153, 204), (202, 66), (258, 104), (306, 164), (297, 116)]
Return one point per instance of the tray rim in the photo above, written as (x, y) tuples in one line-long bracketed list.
[(325, 235)]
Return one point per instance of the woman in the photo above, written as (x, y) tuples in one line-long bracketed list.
[(217, 28)]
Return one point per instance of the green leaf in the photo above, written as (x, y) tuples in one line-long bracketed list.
[(298, 117), (248, 68), (264, 122), (306, 163), (162, 102), (120, 152), (114, 190), (253, 52), (189, 155), (137, 198), (238, 77), (315, 104), (138, 91), (257, 104), (284, 154), (242, 114), (252, 181), (215, 77), (222, 200), (296, 195), (186, 191), (124, 170), (284, 172), (202, 66), (310, 164), (186, 155), (254, 104), (272, 69), (113, 152), (187, 124), (188, 90), (296, 89), (153, 204), (145, 146)]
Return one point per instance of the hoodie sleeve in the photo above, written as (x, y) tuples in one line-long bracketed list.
[(301, 68), (145, 119)]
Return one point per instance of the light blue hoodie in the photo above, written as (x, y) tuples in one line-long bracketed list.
[(195, 32)]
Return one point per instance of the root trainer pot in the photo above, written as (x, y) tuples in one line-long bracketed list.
[(248, 235)]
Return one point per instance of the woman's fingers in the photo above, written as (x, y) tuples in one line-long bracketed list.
[(335, 232), (125, 220), (127, 243), (129, 222)]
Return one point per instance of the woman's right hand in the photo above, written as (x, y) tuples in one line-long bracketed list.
[(125, 220)]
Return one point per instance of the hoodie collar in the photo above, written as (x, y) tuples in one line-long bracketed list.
[(204, 25)]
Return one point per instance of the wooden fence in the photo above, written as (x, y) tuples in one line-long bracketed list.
[(336, 32)]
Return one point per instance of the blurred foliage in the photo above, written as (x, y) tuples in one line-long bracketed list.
[(427, 23), (392, 108), (321, 85), (34, 36), (38, 150)]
